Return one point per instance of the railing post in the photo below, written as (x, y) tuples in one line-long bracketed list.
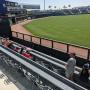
[(88, 54), (31, 38), (17, 34), (52, 44), (12, 33), (23, 36), (40, 41), (67, 48)]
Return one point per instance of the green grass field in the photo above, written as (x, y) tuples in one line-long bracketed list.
[(69, 29)]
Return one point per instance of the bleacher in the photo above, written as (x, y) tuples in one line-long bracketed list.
[(45, 63), (31, 69)]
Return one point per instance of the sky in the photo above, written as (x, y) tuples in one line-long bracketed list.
[(58, 3)]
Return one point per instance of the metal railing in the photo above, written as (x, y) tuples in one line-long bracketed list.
[(80, 51)]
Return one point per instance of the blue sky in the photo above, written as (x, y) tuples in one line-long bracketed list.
[(58, 3)]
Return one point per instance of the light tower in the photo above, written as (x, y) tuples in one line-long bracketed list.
[(44, 5)]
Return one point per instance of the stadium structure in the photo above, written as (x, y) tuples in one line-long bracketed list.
[(73, 11), (43, 71), (30, 7)]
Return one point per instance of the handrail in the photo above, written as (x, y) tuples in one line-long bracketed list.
[(54, 40)]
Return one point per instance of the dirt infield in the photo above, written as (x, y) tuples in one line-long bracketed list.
[(18, 27), (58, 46)]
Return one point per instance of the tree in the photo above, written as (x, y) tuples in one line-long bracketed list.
[(69, 5), (49, 7), (64, 7), (55, 7)]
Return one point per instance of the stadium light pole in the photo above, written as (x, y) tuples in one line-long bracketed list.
[(44, 5)]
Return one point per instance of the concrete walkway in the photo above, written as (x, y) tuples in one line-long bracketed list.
[(10, 79), (6, 84)]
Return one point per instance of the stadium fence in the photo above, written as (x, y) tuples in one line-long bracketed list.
[(80, 51)]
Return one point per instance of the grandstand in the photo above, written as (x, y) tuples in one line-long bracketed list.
[(45, 71), (41, 61), (73, 11), (32, 70), (17, 12)]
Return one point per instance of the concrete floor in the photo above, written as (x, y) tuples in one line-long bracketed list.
[(17, 80)]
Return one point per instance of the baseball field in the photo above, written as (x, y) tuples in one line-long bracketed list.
[(70, 29)]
